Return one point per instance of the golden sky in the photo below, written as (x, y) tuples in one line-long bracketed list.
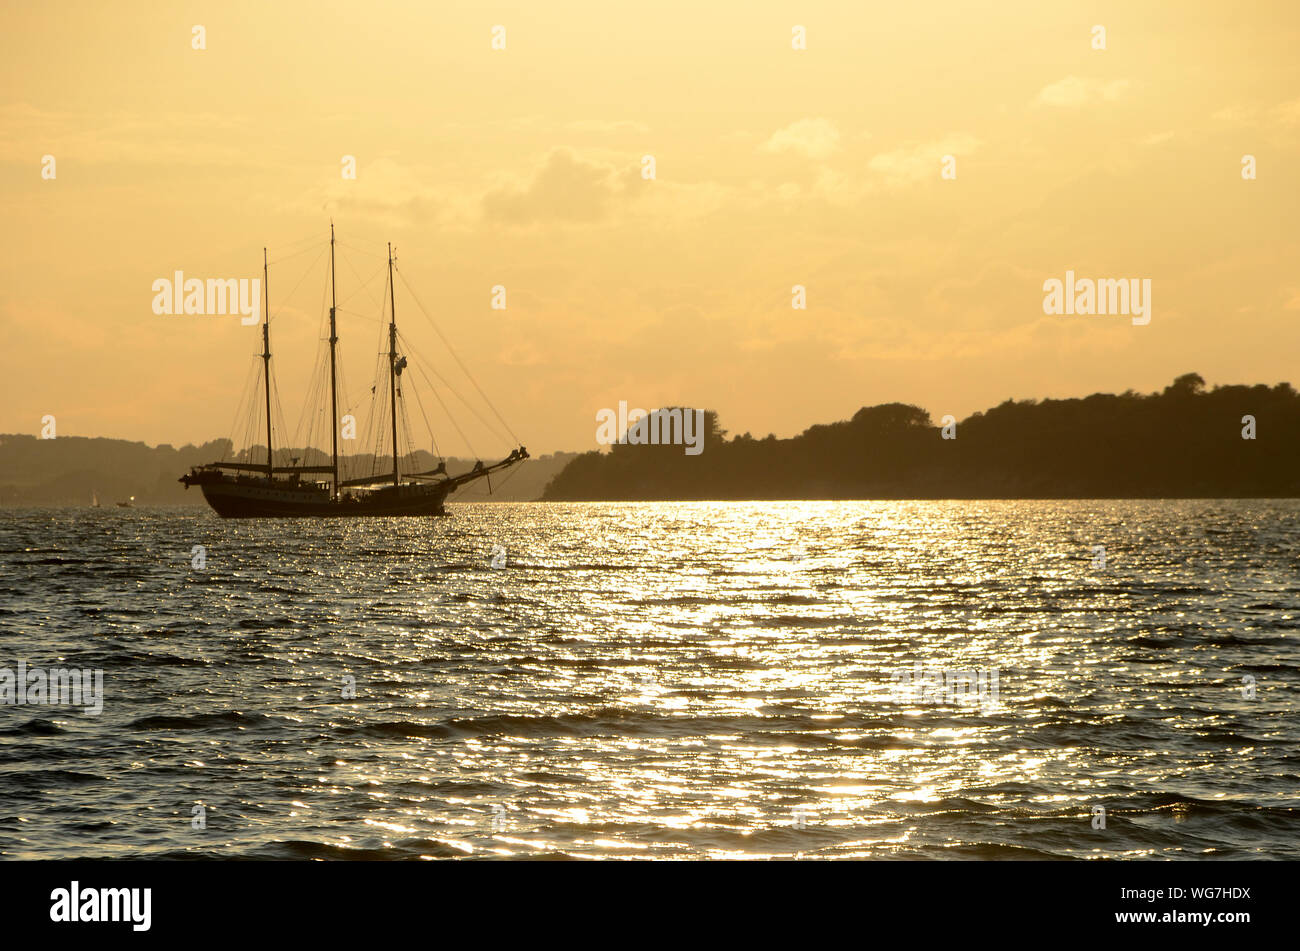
[(522, 167)]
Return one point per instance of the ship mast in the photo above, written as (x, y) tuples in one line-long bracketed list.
[(266, 359), (392, 358), (334, 393)]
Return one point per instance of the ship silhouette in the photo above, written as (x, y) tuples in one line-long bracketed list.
[(245, 489)]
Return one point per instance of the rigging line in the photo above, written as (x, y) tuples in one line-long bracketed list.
[(397, 448), (322, 357), (240, 411), (313, 409), (313, 386), (239, 425), (502, 484), (347, 409), (356, 313), (379, 352), (305, 432), (293, 254), (310, 268), (253, 386), (404, 424), (258, 409), (410, 438), (324, 316), (352, 401), (451, 389), (363, 285), (378, 396), (278, 410), (445, 408), (447, 344), (243, 250), (310, 239), (372, 418), (488, 426), (429, 426), (341, 387), (452, 419), (513, 472), (305, 429), (362, 251), (253, 413), (359, 315), (465, 370), (381, 406)]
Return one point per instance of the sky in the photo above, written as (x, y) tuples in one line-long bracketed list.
[(524, 167)]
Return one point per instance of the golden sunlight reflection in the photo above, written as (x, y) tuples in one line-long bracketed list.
[(812, 680)]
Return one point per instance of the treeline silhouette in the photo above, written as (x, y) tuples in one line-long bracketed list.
[(1184, 442), (68, 469)]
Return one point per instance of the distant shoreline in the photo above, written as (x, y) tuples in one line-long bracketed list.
[(1186, 442)]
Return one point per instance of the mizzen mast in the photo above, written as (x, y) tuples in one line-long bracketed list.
[(266, 358), (334, 394), (392, 358)]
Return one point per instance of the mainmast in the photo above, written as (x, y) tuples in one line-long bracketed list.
[(334, 396), (266, 358), (392, 358)]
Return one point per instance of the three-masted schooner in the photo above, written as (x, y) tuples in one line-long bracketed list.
[(252, 490)]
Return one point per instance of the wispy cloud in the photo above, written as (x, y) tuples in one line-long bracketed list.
[(812, 138), (1075, 91), (913, 163), (90, 138), (608, 126), (388, 191), (566, 187)]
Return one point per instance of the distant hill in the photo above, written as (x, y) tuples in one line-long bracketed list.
[(1184, 442), (66, 470)]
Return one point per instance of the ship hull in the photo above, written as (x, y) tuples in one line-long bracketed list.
[(258, 499)]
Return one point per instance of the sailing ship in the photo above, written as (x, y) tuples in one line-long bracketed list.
[(94, 499), (245, 489)]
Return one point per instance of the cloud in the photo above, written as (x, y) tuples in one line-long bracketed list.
[(1235, 114), (608, 126), (1287, 112), (914, 163), (811, 138), (1074, 91), (1283, 113), (566, 187), (90, 138), (388, 191)]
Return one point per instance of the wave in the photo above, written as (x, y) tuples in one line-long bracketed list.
[(203, 721), (39, 726), (119, 658), (408, 849)]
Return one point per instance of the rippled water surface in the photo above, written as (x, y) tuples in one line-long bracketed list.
[(659, 680)]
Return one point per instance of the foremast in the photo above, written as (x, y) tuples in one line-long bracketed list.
[(266, 358), (392, 360), (334, 392)]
